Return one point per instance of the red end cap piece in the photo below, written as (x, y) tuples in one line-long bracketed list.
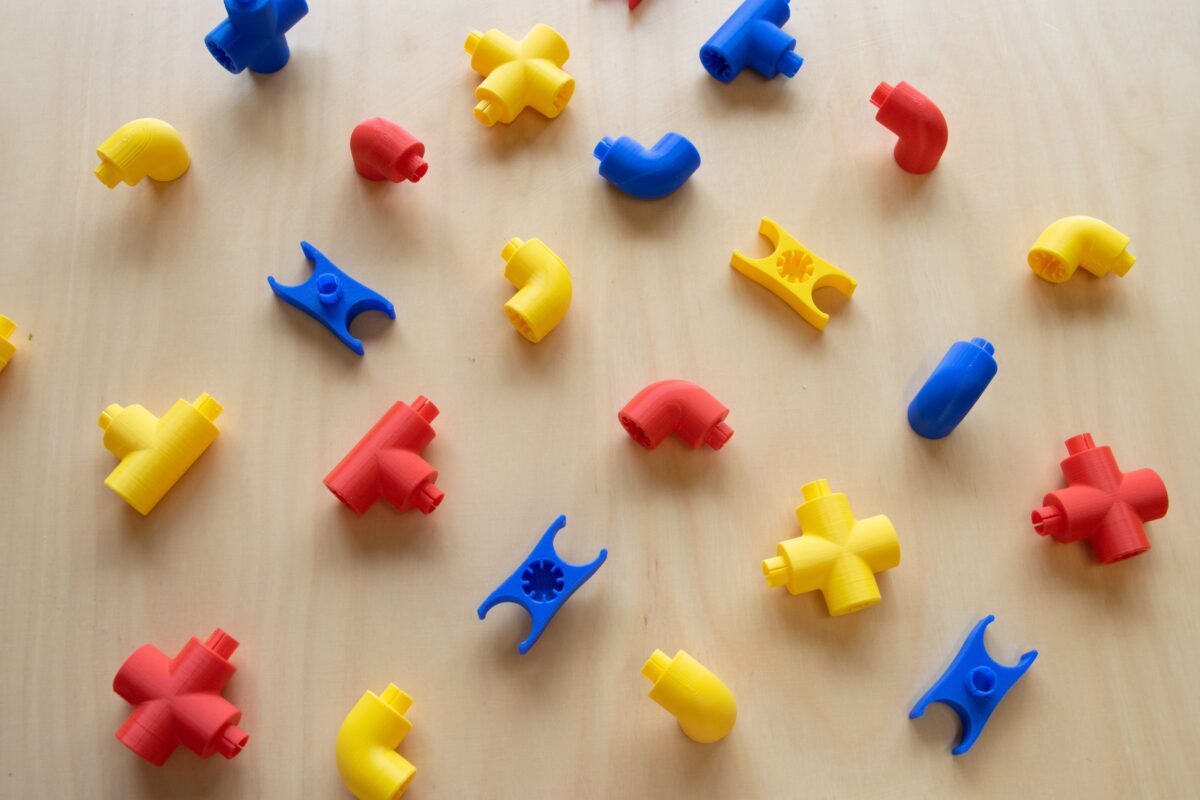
[(383, 150), (917, 121), (678, 407)]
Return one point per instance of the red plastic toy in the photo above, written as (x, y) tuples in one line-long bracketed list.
[(678, 407), (1102, 504), (633, 4), (177, 701), (383, 150), (917, 121), (387, 463)]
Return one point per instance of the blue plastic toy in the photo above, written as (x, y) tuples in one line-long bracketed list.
[(253, 34), (973, 685), (753, 37), (648, 174), (542, 584), (332, 297), (952, 389)]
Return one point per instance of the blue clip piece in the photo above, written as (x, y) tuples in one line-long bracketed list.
[(252, 35), (649, 174), (332, 297), (953, 388), (753, 37), (973, 685), (542, 584)]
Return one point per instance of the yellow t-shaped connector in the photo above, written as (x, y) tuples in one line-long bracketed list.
[(519, 74), (7, 326), (366, 746), (1080, 242)]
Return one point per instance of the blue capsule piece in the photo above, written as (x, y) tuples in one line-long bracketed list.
[(953, 388)]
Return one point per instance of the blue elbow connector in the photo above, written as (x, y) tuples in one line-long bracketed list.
[(950, 392), (753, 37), (648, 174), (253, 35)]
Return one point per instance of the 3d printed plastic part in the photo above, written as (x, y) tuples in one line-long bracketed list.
[(792, 273), (383, 151), (917, 121), (837, 553), (139, 149), (177, 701), (155, 452), (973, 685), (951, 391), (634, 4), (366, 746), (520, 74), (253, 34), (332, 297), (542, 584), (648, 174), (678, 407), (543, 288), (387, 463), (753, 37), (692, 694), (1080, 242), (1101, 504), (7, 326)]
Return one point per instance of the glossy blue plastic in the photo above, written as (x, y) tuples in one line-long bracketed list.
[(753, 37), (952, 389), (973, 685), (332, 297), (253, 34), (542, 584), (648, 174)]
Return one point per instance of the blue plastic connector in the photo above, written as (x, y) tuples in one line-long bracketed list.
[(253, 34), (753, 37), (332, 297), (973, 685), (542, 584), (953, 388), (648, 174)]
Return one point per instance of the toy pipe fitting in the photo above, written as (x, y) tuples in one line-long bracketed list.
[(7, 348), (366, 746), (679, 407), (753, 37), (1080, 242), (139, 149), (649, 174), (917, 121), (543, 288), (520, 74), (953, 388), (253, 35), (382, 150), (692, 694)]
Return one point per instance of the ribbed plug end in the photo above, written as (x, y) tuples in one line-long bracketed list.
[(221, 643), (602, 147), (427, 498), (656, 666), (487, 114), (1123, 263), (108, 173), (789, 63), (424, 408), (984, 345), (881, 94), (775, 570), (472, 42), (108, 415), (396, 699), (718, 435), (510, 248), (1048, 521), (208, 407), (1080, 443), (231, 741), (814, 490)]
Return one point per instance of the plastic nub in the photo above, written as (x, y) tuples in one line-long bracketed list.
[(815, 489), (981, 681), (776, 571), (472, 42), (396, 699), (881, 93), (718, 435), (108, 415), (602, 147), (329, 289), (656, 666), (221, 643), (110, 175), (208, 407), (424, 408), (1080, 443), (789, 63), (985, 345), (510, 249)]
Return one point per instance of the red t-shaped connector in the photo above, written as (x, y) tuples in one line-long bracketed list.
[(678, 407), (1102, 504), (917, 121), (177, 701)]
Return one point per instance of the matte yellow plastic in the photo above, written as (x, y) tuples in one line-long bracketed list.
[(156, 452), (7, 348), (139, 149), (695, 696), (836, 553), (1080, 242), (543, 288), (366, 746), (519, 74), (792, 272)]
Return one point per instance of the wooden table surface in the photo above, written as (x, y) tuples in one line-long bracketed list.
[(156, 292)]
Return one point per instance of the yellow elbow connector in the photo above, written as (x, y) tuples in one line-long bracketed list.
[(519, 74), (366, 746), (692, 694), (7, 326), (543, 288), (142, 148), (1080, 242)]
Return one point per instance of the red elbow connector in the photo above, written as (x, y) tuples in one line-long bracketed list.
[(387, 463), (383, 150), (917, 121), (678, 407), (177, 701)]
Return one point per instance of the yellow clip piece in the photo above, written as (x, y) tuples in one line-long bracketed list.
[(543, 288), (156, 452), (792, 272), (144, 147), (836, 553), (695, 696), (519, 74), (7, 326), (1080, 242), (366, 746)]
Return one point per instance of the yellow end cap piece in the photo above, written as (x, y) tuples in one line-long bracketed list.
[(692, 694), (1080, 242), (543, 288), (142, 148), (520, 74), (366, 746), (7, 348)]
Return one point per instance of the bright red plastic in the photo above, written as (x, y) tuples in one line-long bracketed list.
[(387, 463), (1102, 504), (383, 150), (633, 4), (917, 121), (177, 701), (677, 407)]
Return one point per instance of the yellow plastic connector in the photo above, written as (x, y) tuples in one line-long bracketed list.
[(792, 272), (1080, 242), (139, 149), (695, 696), (156, 452), (543, 288), (836, 553), (519, 74), (7, 348), (366, 746)]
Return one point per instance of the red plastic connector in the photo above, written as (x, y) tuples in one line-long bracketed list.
[(678, 407), (383, 150), (177, 701), (1102, 504), (633, 4), (387, 463), (917, 121)]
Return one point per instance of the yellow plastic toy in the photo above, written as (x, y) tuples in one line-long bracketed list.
[(1080, 242), (156, 452), (7, 348), (695, 696), (836, 553), (543, 288), (792, 272), (519, 74), (366, 746), (142, 148)]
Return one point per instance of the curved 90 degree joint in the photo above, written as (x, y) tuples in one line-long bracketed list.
[(951, 391), (139, 149), (679, 407), (366, 746), (543, 288), (253, 34), (1080, 242), (917, 121), (753, 37), (382, 150), (692, 694), (7, 326), (649, 174), (520, 74)]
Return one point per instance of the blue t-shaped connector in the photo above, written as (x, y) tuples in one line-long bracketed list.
[(253, 34), (952, 389), (542, 584), (753, 37), (648, 174)]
